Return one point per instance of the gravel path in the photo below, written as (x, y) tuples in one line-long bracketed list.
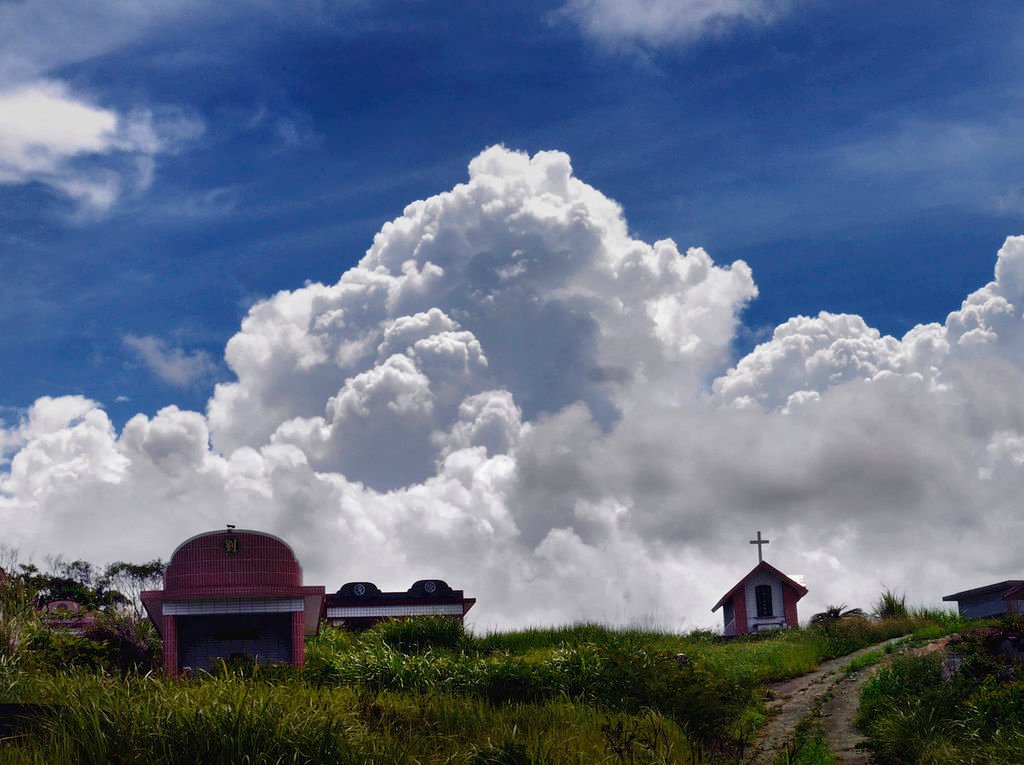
[(792, 700)]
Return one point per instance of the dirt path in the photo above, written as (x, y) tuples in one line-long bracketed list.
[(793, 700), (838, 714)]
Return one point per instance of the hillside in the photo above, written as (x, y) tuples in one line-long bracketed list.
[(416, 691)]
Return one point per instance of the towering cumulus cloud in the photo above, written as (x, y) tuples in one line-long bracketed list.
[(511, 392)]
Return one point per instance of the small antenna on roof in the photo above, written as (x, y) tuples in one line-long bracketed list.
[(231, 525)]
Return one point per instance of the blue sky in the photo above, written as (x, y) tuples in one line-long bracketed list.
[(389, 279), (861, 158)]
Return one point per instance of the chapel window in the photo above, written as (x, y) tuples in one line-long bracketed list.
[(763, 596)]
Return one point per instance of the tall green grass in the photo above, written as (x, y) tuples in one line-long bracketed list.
[(919, 711), (231, 719), (428, 691), (890, 605), (19, 619)]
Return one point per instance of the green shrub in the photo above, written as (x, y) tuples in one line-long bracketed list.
[(995, 706), (111, 642), (420, 633), (61, 649), (130, 643), (890, 605), (919, 710)]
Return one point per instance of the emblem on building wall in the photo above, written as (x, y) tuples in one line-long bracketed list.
[(230, 545)]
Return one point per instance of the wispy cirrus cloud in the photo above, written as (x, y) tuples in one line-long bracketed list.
[(666, 22), (172, 364), (83, 147), (92, 148), (89, 153)]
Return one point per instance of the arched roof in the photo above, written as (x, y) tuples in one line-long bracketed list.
[(236, 532), (233, 562)]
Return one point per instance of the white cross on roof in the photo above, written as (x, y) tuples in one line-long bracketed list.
[(759, 542)]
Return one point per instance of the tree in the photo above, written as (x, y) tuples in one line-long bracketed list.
[(130, 579), (76, 580)]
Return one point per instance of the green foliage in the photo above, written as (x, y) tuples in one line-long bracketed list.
[(903, 682), (231, 719), (811, 751), (116, 586), (949, 618), (58, 649), (108, 642), (965, 709), (809, 746), (128, 580), (18, 617), (639, 739), (890, 605), (130, 643), (419, 634), (929, 632), (711, 697), (420, 690), (835, 613), (509, 753), (862, 662)]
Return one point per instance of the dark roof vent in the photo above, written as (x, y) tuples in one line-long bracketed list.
[(430, 588), (358, 590)]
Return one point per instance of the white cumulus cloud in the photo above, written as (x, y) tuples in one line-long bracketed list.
[(512, 393), (810, 355)]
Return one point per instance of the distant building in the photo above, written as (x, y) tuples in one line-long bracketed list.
[(236, 593), (991, 600), (358, 605), (763, 599), (67, 614), (230, 594)]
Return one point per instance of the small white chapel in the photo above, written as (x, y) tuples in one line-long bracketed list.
[(764, 599)]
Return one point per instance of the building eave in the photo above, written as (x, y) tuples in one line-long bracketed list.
[(1008, 585)]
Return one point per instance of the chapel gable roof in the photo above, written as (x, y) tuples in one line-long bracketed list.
[(770, 569)]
